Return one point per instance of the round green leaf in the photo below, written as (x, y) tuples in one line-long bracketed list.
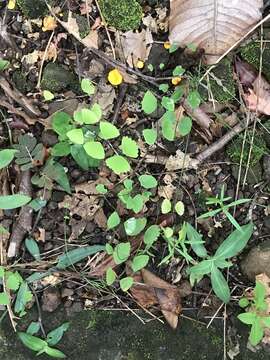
[(6, 156), (129, 147), (110, 276), (180, 208), (178, 71), (166, 206), (118, 164), (108, 131), (151, 235), (149, 102), (126, 283), (168, 125), (139, 262), (185, 125), (48, 96), (9, 202), (121, 253), (76, 136), (134, 226), (94, 149), (87, 86), (148, 181), (194, 99), (101, 189), (168, 103), (150, 136), (113, 220), (4, 299)]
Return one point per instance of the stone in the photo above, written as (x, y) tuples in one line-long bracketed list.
[(56, 78), (49, 138), (257, 261)]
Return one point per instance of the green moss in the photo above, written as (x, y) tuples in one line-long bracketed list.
[(83, 25), (252, 54), (56, 78), (122, 14), (221, 85), (33, 9), (259, 148)]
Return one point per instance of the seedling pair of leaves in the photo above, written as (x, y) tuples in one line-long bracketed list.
[(41, 346), (121, 253), (212, 266), (171, 125), (257, 315), (14, 282), (136, 203), (220, 201)]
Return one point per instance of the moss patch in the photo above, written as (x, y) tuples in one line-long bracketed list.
[(33, 9), (122, 14), (221, 84), (252, 54), (259, 148), (56, 78)]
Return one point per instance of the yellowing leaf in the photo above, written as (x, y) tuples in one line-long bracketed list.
[(115, 77), (49, 23), (11, 4)]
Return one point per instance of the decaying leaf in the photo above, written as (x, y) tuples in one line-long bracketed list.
[(181, 161), (213, 25), (258, 96), (150, 290), (91, 40), (80, 204), (136, 46)]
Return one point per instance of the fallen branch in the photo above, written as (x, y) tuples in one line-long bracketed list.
[(24, 222), (19, 98)]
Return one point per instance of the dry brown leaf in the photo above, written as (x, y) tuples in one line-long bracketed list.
[(80, 204), (101, 219), (213, 25), (89, 187), (136, 46), (152, 290), (91, 40), (181, 161)]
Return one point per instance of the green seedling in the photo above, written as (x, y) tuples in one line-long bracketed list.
[(220, 202), (257, 315)]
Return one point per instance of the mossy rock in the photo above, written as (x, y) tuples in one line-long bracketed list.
[(56, 78), (221, 84), (259, 148), (33, 9), (252, 54), (83, 25), (122, 14)]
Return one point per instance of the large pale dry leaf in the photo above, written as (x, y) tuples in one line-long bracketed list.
[(136, 46), (213, 25)]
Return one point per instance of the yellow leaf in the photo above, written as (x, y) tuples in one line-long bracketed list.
[(176, 80), (49, 23), (11, 4), (115, 77), (167, 45), (140, 64)]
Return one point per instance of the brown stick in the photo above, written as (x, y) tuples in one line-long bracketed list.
[(24, 222)]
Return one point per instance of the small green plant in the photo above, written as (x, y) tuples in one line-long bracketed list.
[(219, 201), (172, 127), (212, 265), (178, 245), (257, 314), (41, 346), (14, 285), (28, 152)]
